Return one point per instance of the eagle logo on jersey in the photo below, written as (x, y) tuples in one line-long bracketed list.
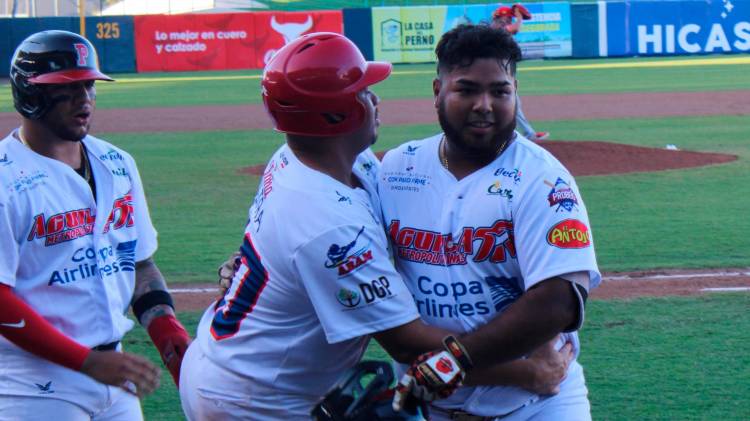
[(4, 160), (346, 260), (411, 150), (562, 196), (504, 291)]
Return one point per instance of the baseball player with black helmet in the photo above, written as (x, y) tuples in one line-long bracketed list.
[(315, 280), (75, 252)]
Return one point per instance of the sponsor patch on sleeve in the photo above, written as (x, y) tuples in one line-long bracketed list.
[(569, 234)]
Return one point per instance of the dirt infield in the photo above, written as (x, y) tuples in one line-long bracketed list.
[(194, 297), (421, 111), (601, 158), (582, 158)]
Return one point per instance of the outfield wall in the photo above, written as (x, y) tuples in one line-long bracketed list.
[(400, 34)]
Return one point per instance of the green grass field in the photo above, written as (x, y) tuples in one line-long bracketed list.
[(646, 359)]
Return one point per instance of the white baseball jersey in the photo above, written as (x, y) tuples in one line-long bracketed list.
[(70, 258), (315, 281), (469, 248)]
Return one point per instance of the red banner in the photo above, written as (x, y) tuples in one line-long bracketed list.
[(222, 41)]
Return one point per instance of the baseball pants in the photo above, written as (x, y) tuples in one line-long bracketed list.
[(120, 406)]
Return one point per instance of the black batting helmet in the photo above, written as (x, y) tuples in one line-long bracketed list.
[(50, 57), (364, 393)]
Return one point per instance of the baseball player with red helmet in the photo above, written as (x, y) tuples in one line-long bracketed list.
[(75, 252), (489, 231), (315, 280), (511, 19)]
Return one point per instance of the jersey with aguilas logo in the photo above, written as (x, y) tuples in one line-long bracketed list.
[(70, 258), (467, 249), (315, 281)]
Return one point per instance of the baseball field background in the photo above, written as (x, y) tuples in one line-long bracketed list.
[(658, 358)]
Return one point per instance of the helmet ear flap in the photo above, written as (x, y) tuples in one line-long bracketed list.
[(29, 99)]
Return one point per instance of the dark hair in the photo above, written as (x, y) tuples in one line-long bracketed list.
[(463, 44)]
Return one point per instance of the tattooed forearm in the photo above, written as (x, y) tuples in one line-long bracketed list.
[(148, 278)]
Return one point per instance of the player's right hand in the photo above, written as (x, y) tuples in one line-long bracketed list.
[(433, 375), (122, 370), (227, 271), (549, 368)]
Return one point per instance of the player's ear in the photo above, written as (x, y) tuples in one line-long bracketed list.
[(436, 89)]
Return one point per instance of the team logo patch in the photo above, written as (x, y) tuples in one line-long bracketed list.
[(343, 198), (65, 226), (4, 161), (503, 291), (514, 174), (45, 389), (348, 298), (368, 166), (569, 234), (348, 258), (562, 196), (83, 53), (444, 365), (411, 150), (497, 190)]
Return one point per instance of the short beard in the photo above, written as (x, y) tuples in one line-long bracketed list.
[(454, 134), (62, 132)]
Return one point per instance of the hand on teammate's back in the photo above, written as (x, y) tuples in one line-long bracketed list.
[(118, 368), (549, 368), (227, 271)]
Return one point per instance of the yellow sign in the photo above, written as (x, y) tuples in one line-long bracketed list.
[(407, 35)]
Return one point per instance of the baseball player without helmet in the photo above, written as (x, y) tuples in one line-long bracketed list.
[(50, 57), (310, 86)]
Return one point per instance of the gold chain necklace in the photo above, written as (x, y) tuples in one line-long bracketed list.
[(443, 153), (84, 158)]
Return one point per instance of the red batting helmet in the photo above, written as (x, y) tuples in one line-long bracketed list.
[(50, 57), (503, 12), (314, 77)]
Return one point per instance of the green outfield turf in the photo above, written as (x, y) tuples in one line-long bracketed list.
[(682, 218), (413, 81), (646, 359)]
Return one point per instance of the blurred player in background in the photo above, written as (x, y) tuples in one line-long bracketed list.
[(511, 19), (75, 251)]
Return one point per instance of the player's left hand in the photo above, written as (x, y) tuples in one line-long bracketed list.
[(227, 271), (433, 375)]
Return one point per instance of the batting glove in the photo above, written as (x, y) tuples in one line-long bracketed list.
[(434, 375)]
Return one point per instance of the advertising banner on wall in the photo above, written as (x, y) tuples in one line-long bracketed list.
[(678, 27), (222, 41), (410, 34)]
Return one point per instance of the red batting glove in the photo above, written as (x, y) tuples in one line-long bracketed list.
[(172, 340), (433, 375)]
